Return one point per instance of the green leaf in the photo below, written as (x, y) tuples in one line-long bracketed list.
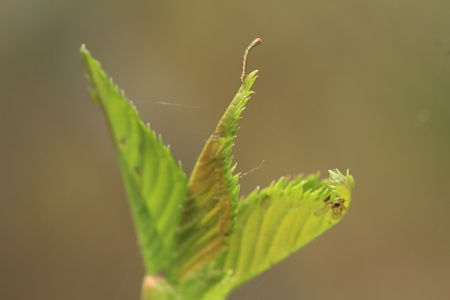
[(155, 184), (278, 220), (211, 202)]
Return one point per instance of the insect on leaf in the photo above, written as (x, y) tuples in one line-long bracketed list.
[(274, 222)]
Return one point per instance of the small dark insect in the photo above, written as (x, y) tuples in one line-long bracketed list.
[(337, 207)]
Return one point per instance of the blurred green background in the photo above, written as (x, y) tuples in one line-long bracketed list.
[(363, 85)]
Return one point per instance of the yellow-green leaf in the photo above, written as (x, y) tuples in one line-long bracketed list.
[(209, 209), (278, 220), (154, 182)]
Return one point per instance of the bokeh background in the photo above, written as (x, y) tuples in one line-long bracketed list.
[(363, 85)]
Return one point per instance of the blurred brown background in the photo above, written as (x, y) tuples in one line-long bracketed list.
[(363, 85)]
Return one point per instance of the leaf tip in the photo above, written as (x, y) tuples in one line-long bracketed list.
[(337, 177), (341, 184), (83, 48), (85, 54)]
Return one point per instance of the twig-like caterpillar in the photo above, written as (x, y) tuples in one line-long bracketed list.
[(252, 45)]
